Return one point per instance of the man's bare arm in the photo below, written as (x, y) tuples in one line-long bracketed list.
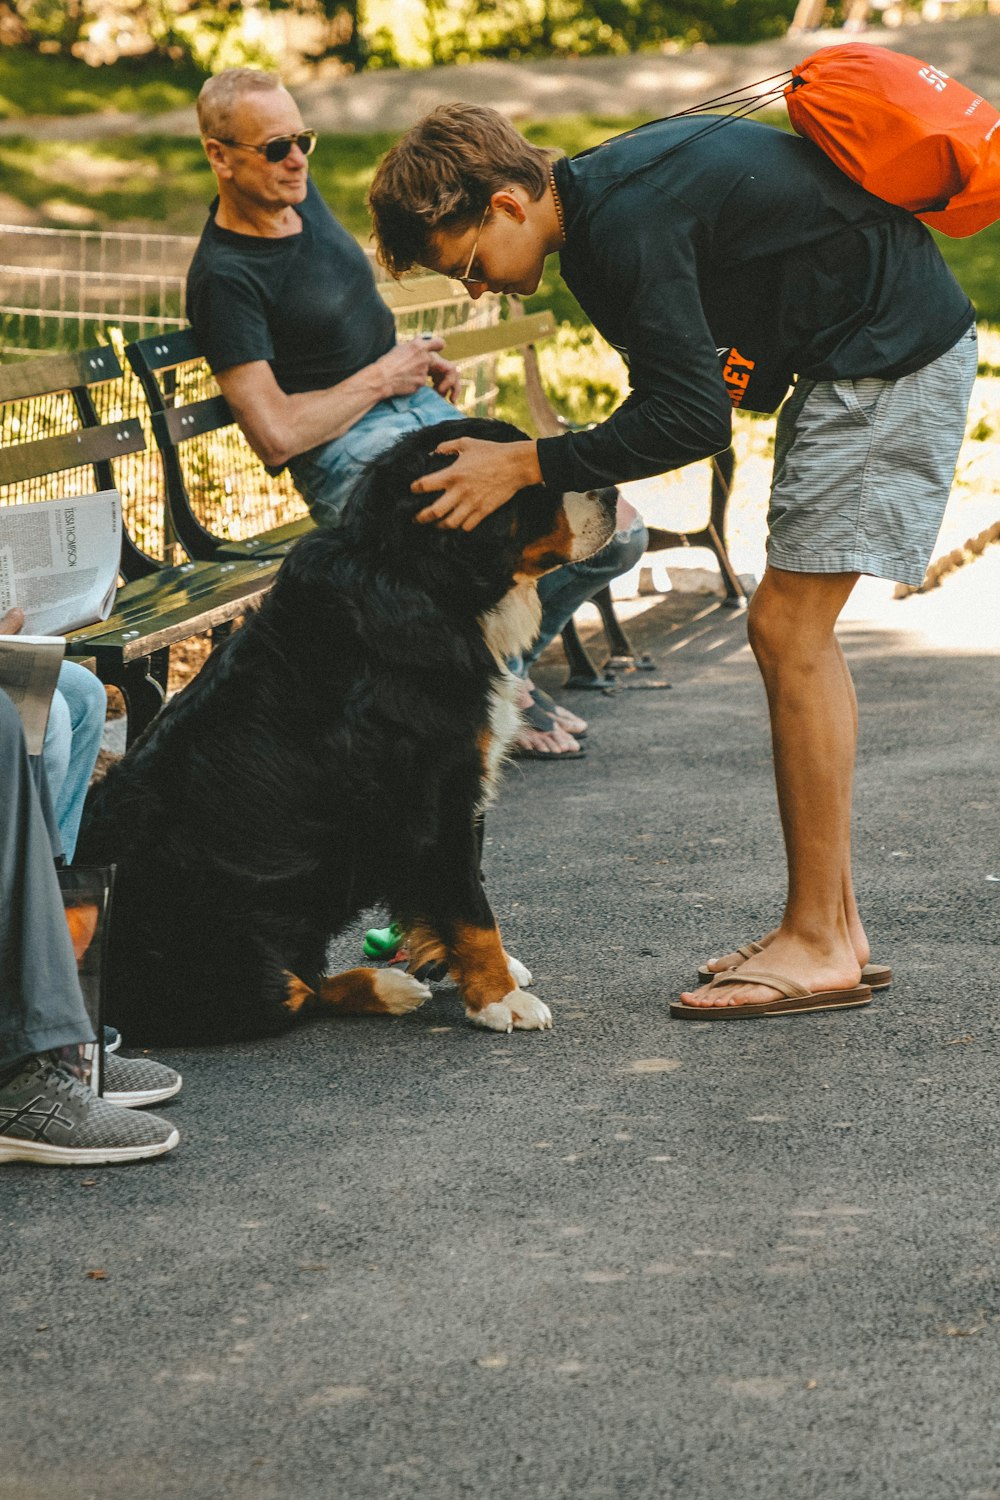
[(277, 426)]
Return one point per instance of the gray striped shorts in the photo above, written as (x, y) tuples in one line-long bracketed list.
[(863, 469)]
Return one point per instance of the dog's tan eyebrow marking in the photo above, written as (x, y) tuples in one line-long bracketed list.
[(558, 541)]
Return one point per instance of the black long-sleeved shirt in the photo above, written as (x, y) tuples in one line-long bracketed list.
[(722, 259)]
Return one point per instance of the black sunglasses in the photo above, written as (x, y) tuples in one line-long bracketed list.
[(279, 146)]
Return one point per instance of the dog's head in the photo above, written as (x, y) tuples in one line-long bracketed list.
[(535, 531)]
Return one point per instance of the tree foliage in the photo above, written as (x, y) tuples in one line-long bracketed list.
[(383, 33)]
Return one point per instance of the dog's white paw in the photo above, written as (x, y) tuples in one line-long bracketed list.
[(517, 1011), (518, 972), (398, 991)]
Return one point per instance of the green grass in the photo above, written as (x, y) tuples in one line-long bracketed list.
[(164, 183), (35, 85)]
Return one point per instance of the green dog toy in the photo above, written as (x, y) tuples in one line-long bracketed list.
[(383, 942)]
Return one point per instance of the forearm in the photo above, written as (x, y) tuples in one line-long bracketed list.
[(521, 466), (305, 419), (638, 441)]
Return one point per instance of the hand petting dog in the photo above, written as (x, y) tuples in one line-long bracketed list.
[(483, 477)]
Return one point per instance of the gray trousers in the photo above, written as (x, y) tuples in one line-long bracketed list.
[(41, 1005)]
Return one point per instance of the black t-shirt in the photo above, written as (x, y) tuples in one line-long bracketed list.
[(306, 304), (720, 267)]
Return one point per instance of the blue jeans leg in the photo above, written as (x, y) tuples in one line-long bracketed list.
[(563, 591), (41, 1006), (326, 476), (72, 742)]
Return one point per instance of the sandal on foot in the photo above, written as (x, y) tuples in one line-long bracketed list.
[(875, 976), (537, 718), (793, 998), (548, 705)]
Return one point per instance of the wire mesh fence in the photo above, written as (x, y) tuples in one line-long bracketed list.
[(61, 288), (73, 289)]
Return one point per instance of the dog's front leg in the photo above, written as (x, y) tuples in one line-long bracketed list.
[(459, 928)]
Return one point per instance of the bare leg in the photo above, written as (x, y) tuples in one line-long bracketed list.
[(813, 713), (859, 939)]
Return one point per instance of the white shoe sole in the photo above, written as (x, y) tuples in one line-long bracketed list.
[(81, 1156), (139, 1098)]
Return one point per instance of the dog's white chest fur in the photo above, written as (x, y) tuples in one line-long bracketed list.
[(512, 625), (507, 630), (505, 722)]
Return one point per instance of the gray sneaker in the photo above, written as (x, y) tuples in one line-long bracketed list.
[(48, 1116), (134, 1082)]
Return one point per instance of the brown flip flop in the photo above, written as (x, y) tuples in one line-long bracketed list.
[(794, 998), (875, 976)]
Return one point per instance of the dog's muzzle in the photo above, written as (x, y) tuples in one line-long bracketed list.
[(591, 518)]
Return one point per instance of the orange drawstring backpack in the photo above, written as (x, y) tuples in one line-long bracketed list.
[(904, 130)]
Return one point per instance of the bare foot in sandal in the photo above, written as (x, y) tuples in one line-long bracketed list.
[(810, 971), (542, 737), (564, 717), (877, 975)]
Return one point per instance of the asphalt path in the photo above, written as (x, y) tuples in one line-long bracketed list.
[(631, 1257)]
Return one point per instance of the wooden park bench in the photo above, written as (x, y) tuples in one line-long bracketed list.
[(201, 446), (190, 420), (62, 449)]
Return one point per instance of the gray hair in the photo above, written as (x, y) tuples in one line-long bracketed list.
[(220, 95)]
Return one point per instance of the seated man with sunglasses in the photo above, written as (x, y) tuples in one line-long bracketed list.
[(284, 304)]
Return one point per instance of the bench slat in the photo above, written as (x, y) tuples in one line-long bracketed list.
[(420, 291), (71, 450), (179, 423), (173, 605), (163, 351), (56, 373), (279, 540), (470, 343)]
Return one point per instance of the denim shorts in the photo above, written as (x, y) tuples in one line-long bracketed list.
[(863, 469), (325, 476)]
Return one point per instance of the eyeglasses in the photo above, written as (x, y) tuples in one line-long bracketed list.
[(468, 279), (278, 147)]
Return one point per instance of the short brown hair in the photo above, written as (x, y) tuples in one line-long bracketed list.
[(442, 174), (220, 95)]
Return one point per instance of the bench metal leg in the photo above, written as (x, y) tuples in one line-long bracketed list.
[(713, 533), (624, 656), (159, 667), (621, 668), (143, 694), (582, 672)]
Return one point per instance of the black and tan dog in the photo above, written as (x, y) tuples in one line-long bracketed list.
[(334, 755)]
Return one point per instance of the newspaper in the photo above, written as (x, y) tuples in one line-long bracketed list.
[(29, 668), (59, 561), (59, 565)]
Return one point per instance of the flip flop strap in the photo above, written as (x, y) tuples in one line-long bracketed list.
[(539, 718), (751, 949), (786, 987)]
